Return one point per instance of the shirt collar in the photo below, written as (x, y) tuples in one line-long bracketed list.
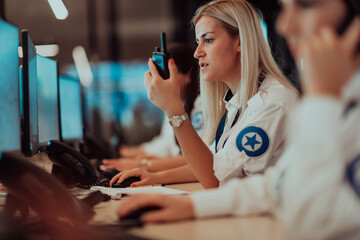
[(231, 101), (352, 88), (228, 96)]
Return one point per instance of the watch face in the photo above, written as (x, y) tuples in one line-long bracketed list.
[(176, 122)]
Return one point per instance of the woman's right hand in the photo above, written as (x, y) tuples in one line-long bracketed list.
[(171, 208), (146, 178), (120, 164), (165, 94)]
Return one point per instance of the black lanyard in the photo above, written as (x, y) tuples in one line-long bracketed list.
[(350, 106), (221, 127)]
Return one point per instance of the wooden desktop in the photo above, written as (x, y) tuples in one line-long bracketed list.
[(226, 227)]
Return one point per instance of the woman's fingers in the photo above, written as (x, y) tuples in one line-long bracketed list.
[(171, 208), (140, 183), (137, 201), (130, 173), (172, 68), (153, 69), (115, 178), (108, 164)]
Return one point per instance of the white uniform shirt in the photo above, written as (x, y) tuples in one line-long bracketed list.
[(164, 145), (308, 189), (256, 141)]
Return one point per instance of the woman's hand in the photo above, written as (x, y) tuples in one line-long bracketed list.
[(165, 94), (171, 208), (120, 164), (146, 177), (127, 151), (329, 60)]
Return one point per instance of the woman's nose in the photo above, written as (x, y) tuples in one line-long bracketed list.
[(198, 52)]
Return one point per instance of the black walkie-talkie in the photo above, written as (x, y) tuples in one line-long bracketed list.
[(161, 58)]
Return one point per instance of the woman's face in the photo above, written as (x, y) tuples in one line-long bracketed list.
[(300, 19), (218, 52)]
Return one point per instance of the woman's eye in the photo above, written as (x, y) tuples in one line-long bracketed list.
[(208, 40), (306, 3)]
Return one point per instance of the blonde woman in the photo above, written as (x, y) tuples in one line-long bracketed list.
[(246, 100)]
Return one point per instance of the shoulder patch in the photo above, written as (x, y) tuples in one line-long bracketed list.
[(254, 141), (353, 174), (197, 120)]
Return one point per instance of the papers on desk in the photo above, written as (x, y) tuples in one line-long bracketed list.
[(117, 193)]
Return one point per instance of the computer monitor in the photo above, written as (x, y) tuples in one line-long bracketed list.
[(70, 109), (30, 140), (9, 88), (48, 100)]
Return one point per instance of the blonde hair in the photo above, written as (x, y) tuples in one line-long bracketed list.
[(238, 18)]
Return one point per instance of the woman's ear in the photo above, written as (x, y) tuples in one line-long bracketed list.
[(238, 47), (188, 78)]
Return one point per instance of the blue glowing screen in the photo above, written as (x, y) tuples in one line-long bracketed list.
[(70, 108), (48, 114), (9, 88)]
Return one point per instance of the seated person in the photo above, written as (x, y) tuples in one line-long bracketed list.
[(314, 189), (152, 155), (246, 101)]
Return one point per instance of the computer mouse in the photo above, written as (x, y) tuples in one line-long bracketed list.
[(133, 218), (126, 183), (109, 173), (136, 214)]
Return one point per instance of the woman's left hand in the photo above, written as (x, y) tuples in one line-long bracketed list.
[(165, 94)]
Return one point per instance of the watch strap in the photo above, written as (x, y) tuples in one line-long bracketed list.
[(181, 117)]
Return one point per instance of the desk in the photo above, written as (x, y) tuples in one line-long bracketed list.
[(255, 227)]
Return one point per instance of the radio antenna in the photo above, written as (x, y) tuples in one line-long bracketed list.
[(163, 42)]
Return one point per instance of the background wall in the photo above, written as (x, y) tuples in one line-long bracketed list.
[(119, 36)]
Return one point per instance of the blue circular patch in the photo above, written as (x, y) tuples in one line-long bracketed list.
[(353, 174), (253, 141), (197, 120)]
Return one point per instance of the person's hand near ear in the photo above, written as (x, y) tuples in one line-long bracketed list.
[(165, 94), (329, 60)]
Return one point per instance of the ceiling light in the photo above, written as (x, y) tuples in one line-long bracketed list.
[(82, 65), (49, 50), (59, 9)]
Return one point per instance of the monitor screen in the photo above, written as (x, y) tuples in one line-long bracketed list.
[(70, 108), (29, 85), (9, 88), (48, 106)]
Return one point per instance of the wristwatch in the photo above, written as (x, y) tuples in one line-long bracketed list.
[(144, 164), (178, 120)]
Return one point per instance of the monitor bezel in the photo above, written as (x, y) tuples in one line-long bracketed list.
[(27, 140)]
